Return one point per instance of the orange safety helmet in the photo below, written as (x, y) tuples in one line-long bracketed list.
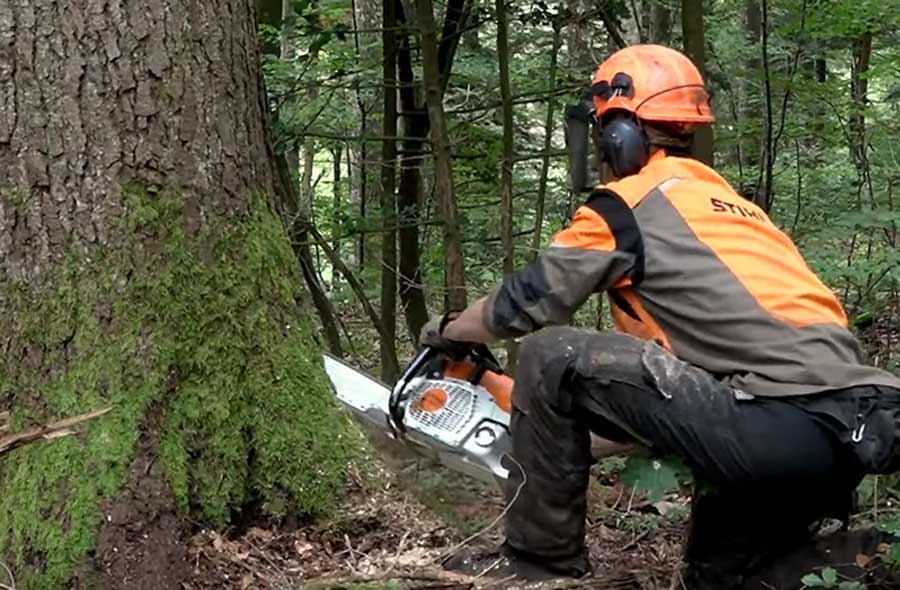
[(654, 83)]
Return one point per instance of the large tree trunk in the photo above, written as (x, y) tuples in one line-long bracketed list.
[(454, 276), (142, 267), (695, 48)]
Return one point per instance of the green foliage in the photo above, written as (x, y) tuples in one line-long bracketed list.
[(828, 578), (195, 341), (655, 476)]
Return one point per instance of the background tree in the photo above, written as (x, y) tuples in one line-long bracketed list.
[(695, 48)]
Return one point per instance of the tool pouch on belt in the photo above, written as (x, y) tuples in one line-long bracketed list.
[(875, 440), (865, 419)]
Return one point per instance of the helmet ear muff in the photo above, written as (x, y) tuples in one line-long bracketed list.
[(624, 146)]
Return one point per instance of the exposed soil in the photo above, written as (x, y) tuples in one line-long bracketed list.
[(142, 542)]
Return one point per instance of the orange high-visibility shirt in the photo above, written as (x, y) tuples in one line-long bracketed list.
[(687, 261)]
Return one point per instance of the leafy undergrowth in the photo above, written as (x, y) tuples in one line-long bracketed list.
[(394, 527)]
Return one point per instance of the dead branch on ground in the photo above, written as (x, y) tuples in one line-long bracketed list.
[(9, 575), (50, 431), (441, 580)]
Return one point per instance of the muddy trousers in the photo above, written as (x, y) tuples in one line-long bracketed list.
[(769, 470)]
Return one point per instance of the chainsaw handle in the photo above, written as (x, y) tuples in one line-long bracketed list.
[(485, 359)]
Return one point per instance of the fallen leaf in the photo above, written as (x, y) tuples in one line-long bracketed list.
[(862, 560)]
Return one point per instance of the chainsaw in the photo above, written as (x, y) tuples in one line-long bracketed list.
[(452, 410)]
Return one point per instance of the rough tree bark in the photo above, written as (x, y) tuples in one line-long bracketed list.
[(695, 48), (389, 369), (454, 276), (143, 267)]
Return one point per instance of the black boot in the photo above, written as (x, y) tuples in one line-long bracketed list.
[(505, 562)]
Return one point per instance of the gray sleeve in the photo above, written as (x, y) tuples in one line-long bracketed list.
[(550, 290)]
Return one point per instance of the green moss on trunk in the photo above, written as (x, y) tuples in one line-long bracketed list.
[(203, 328)]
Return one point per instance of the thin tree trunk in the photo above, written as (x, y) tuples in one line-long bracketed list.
[(859, 88), (321, 302), (506, 144), (764, 194), (660, 23), (506, 155), (389, 371), (455, 17), (470, 37), (548, 144), (337, 198), (305, 209), (750, 143), (362, 169), (578, 36), (443, 166), (358, 290), (287, 29), (695, 48), (415, 125), (302, 215)]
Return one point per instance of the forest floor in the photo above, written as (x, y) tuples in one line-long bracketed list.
[(396, 525)]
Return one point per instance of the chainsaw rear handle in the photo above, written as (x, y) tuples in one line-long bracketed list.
[(480, 355)]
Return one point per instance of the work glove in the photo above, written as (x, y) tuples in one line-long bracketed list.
[(432, 335)]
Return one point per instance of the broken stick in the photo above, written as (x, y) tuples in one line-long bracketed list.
[(50, 431)]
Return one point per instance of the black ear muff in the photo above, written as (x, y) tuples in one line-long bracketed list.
[(624, 146)]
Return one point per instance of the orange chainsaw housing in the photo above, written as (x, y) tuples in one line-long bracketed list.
[(499, 386)]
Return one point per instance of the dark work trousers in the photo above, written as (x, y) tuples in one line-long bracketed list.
[(771, 468)]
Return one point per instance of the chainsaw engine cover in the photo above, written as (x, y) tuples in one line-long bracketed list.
[(460, 422)]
